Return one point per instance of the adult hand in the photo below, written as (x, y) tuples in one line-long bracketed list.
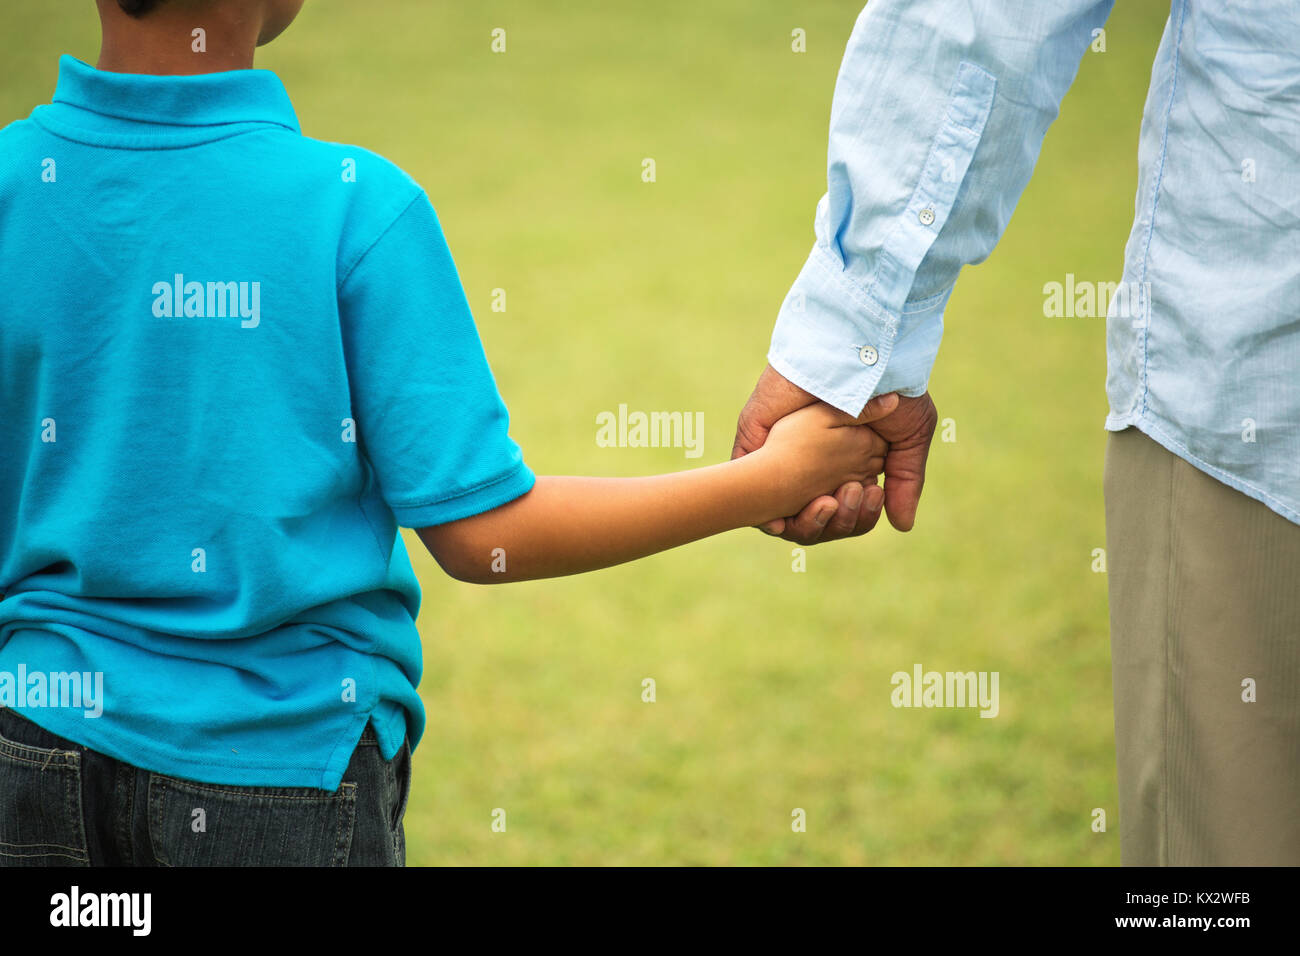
[(853, 509), (909, 429), (906, 423)]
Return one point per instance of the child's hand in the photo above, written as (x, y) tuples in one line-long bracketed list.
[(816, 449)]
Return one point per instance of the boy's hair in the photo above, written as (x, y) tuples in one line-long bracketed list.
[(137, 8)]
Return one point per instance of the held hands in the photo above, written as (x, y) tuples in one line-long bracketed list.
[(906, 423), (817, 449)]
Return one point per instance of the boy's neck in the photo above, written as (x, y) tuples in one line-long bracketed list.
[(164, 42)]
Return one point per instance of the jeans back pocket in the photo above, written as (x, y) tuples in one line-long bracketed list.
[(204, 824), (40, 802)]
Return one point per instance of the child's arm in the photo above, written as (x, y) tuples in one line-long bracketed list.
[(570, 525)]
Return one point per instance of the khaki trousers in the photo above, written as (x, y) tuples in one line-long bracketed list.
[(1205, 646)]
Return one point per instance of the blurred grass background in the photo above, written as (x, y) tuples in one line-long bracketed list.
[(773, 686)]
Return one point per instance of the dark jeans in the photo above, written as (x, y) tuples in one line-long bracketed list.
[(62, 804)]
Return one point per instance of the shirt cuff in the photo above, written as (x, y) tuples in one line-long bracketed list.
[(833, 340)]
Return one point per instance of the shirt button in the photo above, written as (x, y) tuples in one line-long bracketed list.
[(868, 355), (926, 216)]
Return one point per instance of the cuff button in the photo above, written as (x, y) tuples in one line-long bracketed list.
[(868, 355)]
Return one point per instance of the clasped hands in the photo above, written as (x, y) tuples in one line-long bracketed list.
[(892, 434)]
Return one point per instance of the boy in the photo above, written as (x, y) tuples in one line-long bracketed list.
[(233, 360)]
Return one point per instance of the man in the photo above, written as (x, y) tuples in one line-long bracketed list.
[(939, 114)]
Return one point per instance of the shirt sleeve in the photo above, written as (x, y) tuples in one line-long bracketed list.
[(938, 118), (428, 414)]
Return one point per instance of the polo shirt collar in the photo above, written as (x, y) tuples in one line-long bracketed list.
[(201, 100)]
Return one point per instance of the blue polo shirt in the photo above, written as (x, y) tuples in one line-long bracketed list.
[(233, 360)]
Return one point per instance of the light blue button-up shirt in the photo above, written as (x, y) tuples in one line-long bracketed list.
[(939, 114)]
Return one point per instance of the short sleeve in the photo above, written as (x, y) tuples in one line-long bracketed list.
[(428, 414)]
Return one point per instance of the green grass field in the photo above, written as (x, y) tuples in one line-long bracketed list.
[(773, 687)]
